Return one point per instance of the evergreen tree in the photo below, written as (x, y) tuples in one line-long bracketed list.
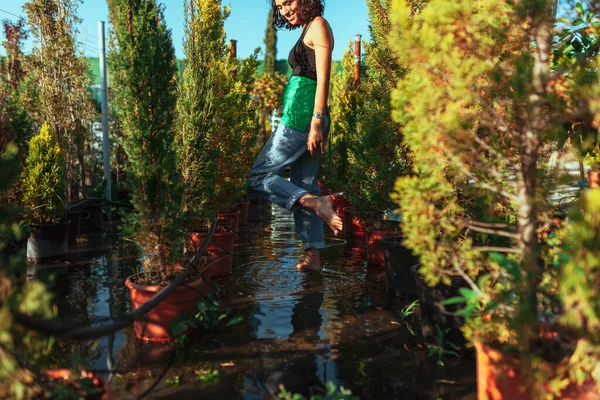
[(270, 46), (144, 71), (43, 180), (376, 155), (201, 107), (16, 87), (344, 104), (58, 72), (217, 124), (483, 112)]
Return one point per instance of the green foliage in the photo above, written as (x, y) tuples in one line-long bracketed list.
[(210, 314), (482, 110), (578, 273), (575, 50), (208, 376), (23, 353), (43, 180), (331, 393), (376, 155), (407, 315), (59, 73), (143, 76), (344, 104), (217, 125), (442, 347), (270, 45)]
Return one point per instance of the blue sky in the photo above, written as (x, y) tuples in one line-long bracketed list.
[(246, 24)]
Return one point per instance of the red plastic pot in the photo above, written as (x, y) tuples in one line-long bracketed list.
[(499, 378), (222, 246), (375, 253), (234, 216), (156, 326)]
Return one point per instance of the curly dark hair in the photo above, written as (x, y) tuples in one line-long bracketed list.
[(309, 10)]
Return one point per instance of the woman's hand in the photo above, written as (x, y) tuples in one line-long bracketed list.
[(316, 140)]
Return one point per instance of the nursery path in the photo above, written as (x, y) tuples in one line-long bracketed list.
[(299, 329)]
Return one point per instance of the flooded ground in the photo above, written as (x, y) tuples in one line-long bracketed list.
[(300, 330)]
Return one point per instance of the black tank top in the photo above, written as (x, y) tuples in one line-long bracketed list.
[(302, 58)]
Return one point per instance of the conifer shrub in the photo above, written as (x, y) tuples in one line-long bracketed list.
[(482, 110), (375, 152), (144, 81), (24, 353), (43, 180), (217, 122), (344, 105)]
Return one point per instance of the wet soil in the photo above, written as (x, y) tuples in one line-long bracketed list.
[(299, 330)]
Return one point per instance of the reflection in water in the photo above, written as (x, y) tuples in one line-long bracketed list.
[(299, 329)]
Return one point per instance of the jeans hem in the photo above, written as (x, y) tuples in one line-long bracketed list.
[(294, 198), (314, 245)]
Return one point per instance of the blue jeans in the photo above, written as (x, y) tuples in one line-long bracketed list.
[(287, 147)]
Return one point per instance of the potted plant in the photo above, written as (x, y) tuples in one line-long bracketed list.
[(376, 154), (44, 193), (140, 37), (480, 108), (25, 353), (216, 128)]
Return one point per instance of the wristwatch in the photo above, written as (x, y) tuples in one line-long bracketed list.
[(318, 115)]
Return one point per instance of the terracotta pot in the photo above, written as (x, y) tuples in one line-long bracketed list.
[(594, 179), (233, 215), (375, 254), (222, 246), (243, 209), (156, 327), (499, 378), (103, 388), (358, 227)]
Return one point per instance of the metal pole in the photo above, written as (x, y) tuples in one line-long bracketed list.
[(103, 85), (357, 51)]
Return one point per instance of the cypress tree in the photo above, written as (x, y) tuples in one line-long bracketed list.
[(144, 71), (270, 46), (376, 155), (59, 74)]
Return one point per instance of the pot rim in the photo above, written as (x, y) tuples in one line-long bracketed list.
[(129, 282), (389, 242), (230, 212), (49, 225)]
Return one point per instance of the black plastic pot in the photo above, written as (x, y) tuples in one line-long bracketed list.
[(433, 312), (91, 220), (399, 260), (74, 216), (48, 242)]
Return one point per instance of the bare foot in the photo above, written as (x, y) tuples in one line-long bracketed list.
[(323, 207), (312, 262)]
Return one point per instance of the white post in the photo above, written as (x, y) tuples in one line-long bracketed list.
[(103, 85)]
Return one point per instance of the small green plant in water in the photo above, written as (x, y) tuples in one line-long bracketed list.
[(208, 376), (332, 392), (209, 315), (443, 347), (173, 381), (407, 313)]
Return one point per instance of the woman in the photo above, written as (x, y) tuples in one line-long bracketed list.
[(301, 135)]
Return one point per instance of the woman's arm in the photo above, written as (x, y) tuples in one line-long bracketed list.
[(320, 38)]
